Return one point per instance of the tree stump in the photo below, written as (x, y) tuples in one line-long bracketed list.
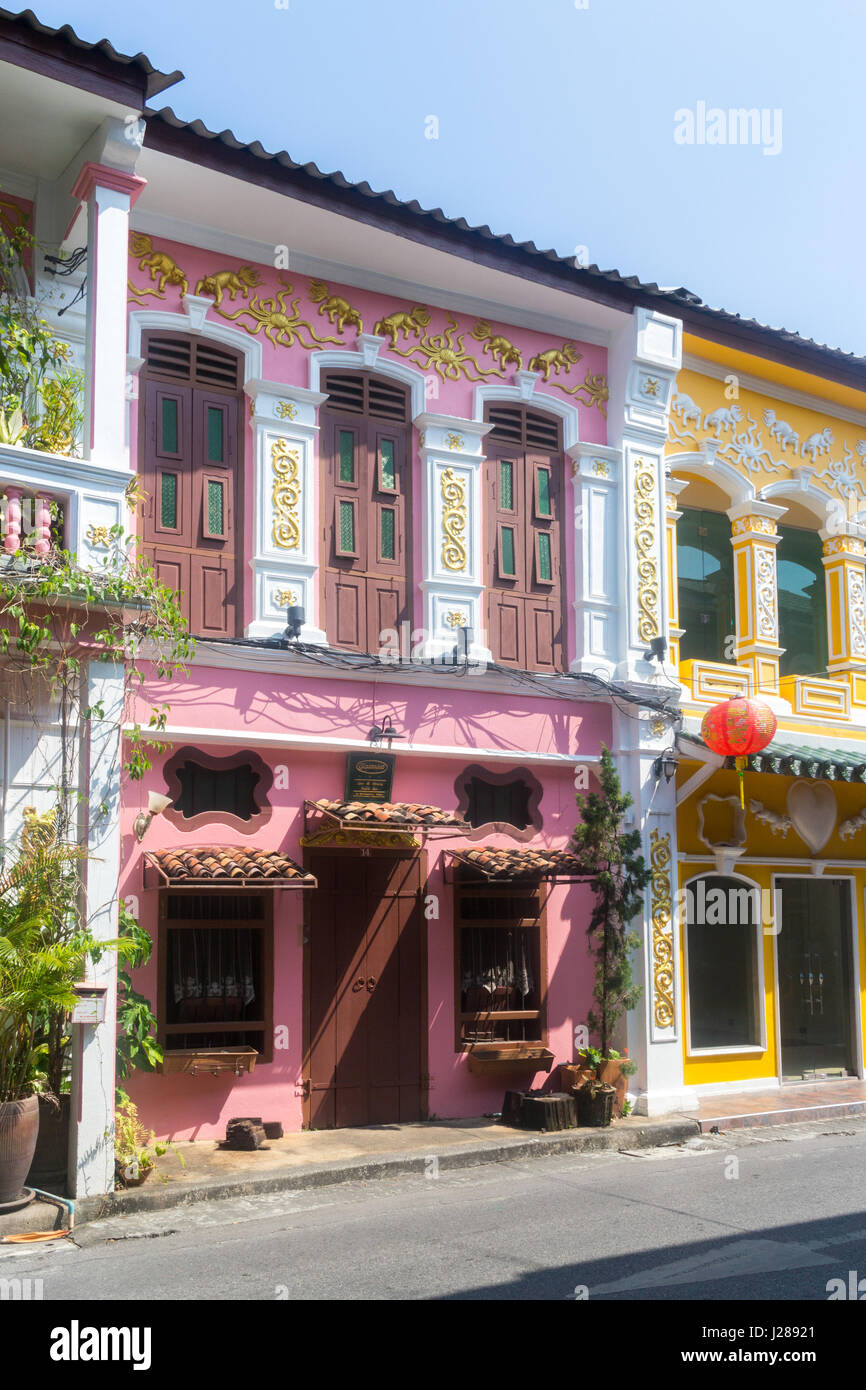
[(245, 1134), (548, 1112)]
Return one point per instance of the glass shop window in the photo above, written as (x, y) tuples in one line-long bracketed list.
[(705, 587), (802, 603), (722, 942), (499, 964)]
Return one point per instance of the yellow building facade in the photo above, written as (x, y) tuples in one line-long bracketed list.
[(766, 558)]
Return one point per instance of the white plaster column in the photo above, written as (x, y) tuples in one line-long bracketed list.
[(597, 472), (453, 530), (109, 195), (654, 1027), (91, 1129), (642, 362), (285, 559)]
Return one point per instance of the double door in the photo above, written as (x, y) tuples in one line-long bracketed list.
[(364, 986), (815, 978)]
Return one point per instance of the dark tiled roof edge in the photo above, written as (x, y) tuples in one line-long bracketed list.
[(608, 285), (156, 81)]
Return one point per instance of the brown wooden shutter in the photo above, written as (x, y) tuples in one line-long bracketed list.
[(524, 478), (365, 440), (190, 450)]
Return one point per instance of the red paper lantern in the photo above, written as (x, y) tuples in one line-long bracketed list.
[(736, 728)]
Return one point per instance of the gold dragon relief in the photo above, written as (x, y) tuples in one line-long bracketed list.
[(554, 362)]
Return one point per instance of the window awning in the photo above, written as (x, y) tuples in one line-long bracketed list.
[(801, 760), (516, 865), (386, 816), (226, 866)]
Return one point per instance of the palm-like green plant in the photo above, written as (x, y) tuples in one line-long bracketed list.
[(38, 969)]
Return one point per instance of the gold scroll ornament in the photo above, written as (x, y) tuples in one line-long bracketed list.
[(286, 496), (454, 517), (645, 544), (662, 930)]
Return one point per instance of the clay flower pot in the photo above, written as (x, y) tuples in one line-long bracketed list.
[(19, 1127)]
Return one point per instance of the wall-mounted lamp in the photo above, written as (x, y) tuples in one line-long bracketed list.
[(666, 763), (295, 618), (460, 651), (385, 730), (657, 648), (156, 804)]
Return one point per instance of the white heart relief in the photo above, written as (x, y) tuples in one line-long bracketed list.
[(812, 808)]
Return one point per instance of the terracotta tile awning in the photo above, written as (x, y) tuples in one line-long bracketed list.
[(215, 866), (388, 815), (509, 865)]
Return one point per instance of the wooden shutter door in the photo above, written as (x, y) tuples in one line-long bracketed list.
[(215, 469), (386, 465), (543, 484), (168, 483), (506, 557)]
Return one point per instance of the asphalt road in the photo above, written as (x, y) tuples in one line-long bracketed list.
[(768, 1214)]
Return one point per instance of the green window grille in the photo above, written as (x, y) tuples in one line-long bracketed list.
[(215, 444), (347, 528), (388, 533), (506, 485), (506, 550), (347, 456), (388, 469), (169, 425), (543, 492), (215, 509), (545, 561), (705, 585), (802, 603), (168, 500)]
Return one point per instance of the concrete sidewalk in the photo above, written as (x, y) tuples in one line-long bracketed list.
[(320, 1157)]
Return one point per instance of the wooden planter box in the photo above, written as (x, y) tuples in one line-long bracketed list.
[(496, 1059), (209, 1061)]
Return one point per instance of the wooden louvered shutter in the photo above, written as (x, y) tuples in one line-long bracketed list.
[(524, 479), (365, 443), (189, 453)]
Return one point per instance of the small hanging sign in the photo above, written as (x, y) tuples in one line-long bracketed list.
[(369, 776)]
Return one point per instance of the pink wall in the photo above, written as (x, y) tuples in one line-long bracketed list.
[(200, 1106), (285, 359)]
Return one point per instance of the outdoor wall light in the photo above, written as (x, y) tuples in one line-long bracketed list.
[(385, 730), (156, 804), (460, 651), (666, 763), (657, 648), (295, 618)]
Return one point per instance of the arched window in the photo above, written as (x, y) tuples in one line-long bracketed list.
[(802, 601), (705, 573), (723, 922), (189, 446), (366, 458), (523, 487)]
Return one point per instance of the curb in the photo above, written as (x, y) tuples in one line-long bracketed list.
[(365, 1170)]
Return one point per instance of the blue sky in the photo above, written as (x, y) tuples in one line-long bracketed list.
[(556, 123)]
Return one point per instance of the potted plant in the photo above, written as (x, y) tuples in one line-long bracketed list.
[(37, 974), (614, 1070), (136, 1149), (611, 855)]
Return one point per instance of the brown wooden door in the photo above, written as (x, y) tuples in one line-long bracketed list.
[(366, 478), (189, 468), (524, 591), (365, 996)]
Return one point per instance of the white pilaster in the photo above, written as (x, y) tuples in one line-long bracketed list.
[(453, 581), (597, 471), (91, 1131), (285, 560)]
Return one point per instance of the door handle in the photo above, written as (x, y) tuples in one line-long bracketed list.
[(371, 984), (359, 984)]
